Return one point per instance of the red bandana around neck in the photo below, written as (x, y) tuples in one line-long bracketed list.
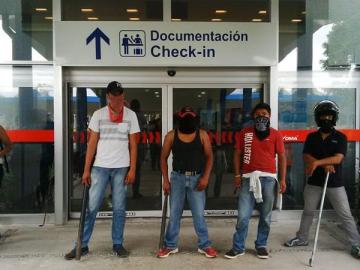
[(117, 118)]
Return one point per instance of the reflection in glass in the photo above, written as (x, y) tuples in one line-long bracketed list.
[(296, 112), (318, 35), (221, 11), (112, 10), (26, 103), (26, 33), (223, 113), (318, 58), (145, 193)]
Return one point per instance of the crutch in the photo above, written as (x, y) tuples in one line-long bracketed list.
[(82, 221), (47, 197), (163, 221), (311, 260)]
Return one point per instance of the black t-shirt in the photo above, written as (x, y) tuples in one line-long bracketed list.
[(335, 143)]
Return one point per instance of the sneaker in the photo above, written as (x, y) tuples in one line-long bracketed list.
[(72, 254), (231, 254), (209, 252), (165, 252), (120, 251), (295, 242), (262, 253), (355, 252)]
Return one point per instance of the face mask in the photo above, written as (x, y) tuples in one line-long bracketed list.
[(262, 129), (262, 123), (187, 124), (326, 125), (116, 118)]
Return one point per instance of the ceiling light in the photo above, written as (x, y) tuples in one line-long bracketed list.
[(134, 19), (92, 18), (304, 12), (41, 9), (216, 20), (87, 10), (176, 20), (262, 11), (220, 11), (131, 10), (256, 20), (48, 18), (296, 20), (156, 92), (203, 93), (199, 96)]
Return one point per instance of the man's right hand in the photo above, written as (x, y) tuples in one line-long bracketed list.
[(329, 169), (237, 182), (86, 180), (166, 187)]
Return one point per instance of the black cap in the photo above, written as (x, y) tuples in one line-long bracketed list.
[(114, 88)]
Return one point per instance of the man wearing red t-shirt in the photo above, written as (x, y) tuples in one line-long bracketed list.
[(255, 176)]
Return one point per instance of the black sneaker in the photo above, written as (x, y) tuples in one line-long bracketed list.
[(120, 251), (262, 253), (231, 254), (72, 254)]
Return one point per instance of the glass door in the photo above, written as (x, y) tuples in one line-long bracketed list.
[(224, 110), (145, 196)]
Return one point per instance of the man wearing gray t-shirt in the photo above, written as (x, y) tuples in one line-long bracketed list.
[(113, 144)]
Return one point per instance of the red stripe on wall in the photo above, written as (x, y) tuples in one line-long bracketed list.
[(47, 136), (353, 135), (31, 136)]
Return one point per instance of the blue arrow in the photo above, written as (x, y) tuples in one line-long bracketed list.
[(98, 35)]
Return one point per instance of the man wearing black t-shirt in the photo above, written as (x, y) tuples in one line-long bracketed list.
[(192, 162), (324, 151)]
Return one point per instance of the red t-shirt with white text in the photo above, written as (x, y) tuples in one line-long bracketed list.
[(259, 155)]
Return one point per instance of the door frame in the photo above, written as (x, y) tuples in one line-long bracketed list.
[(130, 78)]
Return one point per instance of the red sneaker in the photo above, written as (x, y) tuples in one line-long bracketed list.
[(209, 252), (165, 252)]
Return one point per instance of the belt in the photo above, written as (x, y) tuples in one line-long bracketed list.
[(189, 173)]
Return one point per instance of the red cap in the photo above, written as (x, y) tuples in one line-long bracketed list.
[(187, 110)]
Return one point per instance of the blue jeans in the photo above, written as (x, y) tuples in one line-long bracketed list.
[(100, 178), (246, 205), (185, 186)]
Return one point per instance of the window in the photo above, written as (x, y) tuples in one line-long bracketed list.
[(26, 30), (221, 11), (112, 10), (26, 110)]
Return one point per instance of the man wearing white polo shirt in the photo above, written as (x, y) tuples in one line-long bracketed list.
[(113, 143)]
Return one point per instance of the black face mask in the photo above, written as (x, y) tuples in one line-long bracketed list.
[(262, 127), (326, 125), (188, 124)]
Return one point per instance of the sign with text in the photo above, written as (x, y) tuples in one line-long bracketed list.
[(165, 44)]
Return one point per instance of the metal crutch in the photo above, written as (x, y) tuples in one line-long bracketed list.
[(311, 260)]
